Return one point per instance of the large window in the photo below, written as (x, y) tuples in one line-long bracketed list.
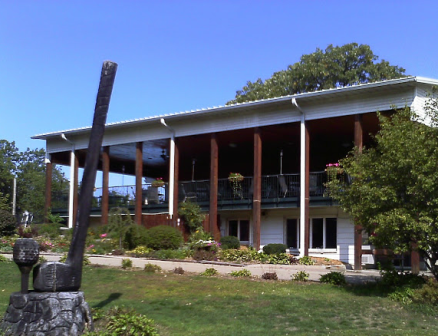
[(323, 233), (292, 233), (239, 228)]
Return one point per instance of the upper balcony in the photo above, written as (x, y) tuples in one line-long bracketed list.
[(278, 191)]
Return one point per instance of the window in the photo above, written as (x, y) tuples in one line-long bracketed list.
[(323, 233), (292, 233), (239, 228)]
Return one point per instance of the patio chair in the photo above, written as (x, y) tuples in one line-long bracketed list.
[(283, 185)]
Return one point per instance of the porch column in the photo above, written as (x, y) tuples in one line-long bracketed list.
[(76, 191), (214, 172), (172, 176), (105, 185), (358, 142), (257, 186), (48, 195), (175, 186), (72, 188), (138, 182), (304, 187)]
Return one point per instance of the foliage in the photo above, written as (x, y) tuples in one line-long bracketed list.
[(306, 260), (164, 237), (210, 272), (201, 254), (85, 262), (135, 235), (333, 278), (49, 230), (42, 259), (392, 188), (7, 243), (119, 221), (281, 258), (54, 218), (241, 273), (140, 251), (122, 321), (346, 65), (126, 263), (270, 276), (427, 294), (151, 268), (301, 276), (169, 254), (29, 231), (230, 242), (199, 235), (240, 256), (178, 270), (4, 259), (7, 223), (274, 248), (191, 214)]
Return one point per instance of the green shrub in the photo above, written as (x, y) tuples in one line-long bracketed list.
[(191, 215), (135, 235), (126, 263), (300, 276), (281, 259), (306, 260), (140, 251), (151, 268), (427, 294), (402, 294), (241, 273), (51, 231), (27, 232), (210, 272), (4, 259), (270, 276), (7, 223), (230, 242), (164, 237), (119, 221), (240, 256), (333, 278), (86, 261), (126, 322), (274, 248), (169, 254)]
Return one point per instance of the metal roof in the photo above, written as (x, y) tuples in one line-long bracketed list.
[(345, 89)]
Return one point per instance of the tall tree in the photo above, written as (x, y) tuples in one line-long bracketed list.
[(8, 158), (347, 65), (392, 189)]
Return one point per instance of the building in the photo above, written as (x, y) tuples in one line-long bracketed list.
[(280, 147)]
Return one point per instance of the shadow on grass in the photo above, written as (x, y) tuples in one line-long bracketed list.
[(112, 297)]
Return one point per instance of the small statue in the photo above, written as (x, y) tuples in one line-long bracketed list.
[(26, 253)]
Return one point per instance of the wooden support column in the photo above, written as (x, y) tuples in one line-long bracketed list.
[(214, 172), (358, 142), (176, 186), (76, 190), (415, 259), (257, 185), (48, 193), (138, 182), (307, 191), (105, 185)]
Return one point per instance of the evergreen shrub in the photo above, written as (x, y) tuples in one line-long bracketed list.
[(230, 242), (135, 235), (164, 237), (274, 248), (7, 223)]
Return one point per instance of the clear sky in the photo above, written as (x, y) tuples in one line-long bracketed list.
[(180, 55)]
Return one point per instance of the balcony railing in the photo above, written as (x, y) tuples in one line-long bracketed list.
[(278, 188)]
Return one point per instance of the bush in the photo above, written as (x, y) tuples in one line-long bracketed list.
[(169, 254), (427, 294), (210, 272), (240, 256), (306, 260), (126, 263), (204, 255), (230, 242), (123, 321), (281, 259), (7, 223), (164, 237), (191, 215), (135, 235), (300, 276), (178, 270), (139, 251), (151, 268), (270, 276), (241, 273), (274, 248), (49, 230), (3, 259), (333, 278), (27, 232)]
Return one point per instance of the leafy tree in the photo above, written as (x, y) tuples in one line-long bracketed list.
[(336, 66), (119, 222), (8, 158), (392, 188)]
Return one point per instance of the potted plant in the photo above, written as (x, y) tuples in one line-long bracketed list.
[(236, 183), (157, 183)]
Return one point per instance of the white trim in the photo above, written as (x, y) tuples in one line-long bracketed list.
[(302, 183), (324, 229), (72, 188)]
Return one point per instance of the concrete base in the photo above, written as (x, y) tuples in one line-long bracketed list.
[(47, 314)]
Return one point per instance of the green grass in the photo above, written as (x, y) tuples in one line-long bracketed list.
[(198, 305)]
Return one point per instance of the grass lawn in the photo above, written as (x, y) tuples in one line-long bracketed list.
[(196, 305)]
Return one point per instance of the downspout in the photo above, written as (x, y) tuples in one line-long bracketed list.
[(302, 176), (72, 181), (172, 166)]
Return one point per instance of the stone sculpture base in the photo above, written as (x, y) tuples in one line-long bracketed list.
[(47, 314)]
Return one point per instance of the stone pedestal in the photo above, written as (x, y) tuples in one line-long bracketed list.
[(47, 314)]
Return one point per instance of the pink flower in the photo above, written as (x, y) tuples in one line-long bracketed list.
[(103, 235), (91, 246)]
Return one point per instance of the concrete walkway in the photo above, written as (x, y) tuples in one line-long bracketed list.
[(284, 272)]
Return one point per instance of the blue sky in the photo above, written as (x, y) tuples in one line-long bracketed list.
[(180, 55)]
